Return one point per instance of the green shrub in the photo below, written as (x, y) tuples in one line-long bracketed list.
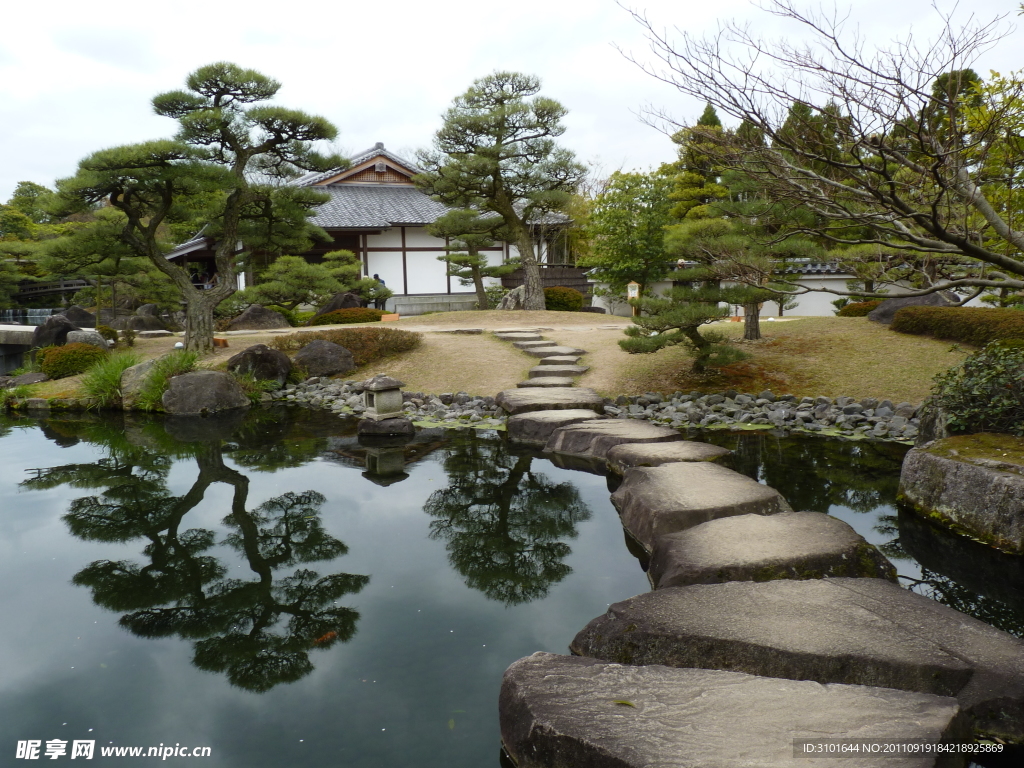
[(172, 364), (255, 388), (107, 333), (346, 316), (102, 382), (367, 345), (495, 293), (858, 308), (128, 335), (985, 393), (969, 325), (563, 299), (9, 395), (69, 360)]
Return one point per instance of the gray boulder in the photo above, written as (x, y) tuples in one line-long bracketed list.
[(973, 483), (558, 711), (324, 358), (850, 631), (79, 316), (514, 299), (257, 318), (885, 311), (53, 332), (340, 301), (261, 362), (789, 545), (203, 392), (132, 381), (87, 337), (27, 378)]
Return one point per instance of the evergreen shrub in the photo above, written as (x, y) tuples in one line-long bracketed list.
[(367, 345), (346, 316), (562, 299), (985, 393), (857, 308), (69, 360), (107, 333), (969, 325)]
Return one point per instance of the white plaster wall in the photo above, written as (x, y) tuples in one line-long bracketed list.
[(389, 238), (426, 273), (389, 267), (417, 237)]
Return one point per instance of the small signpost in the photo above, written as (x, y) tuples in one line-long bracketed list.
[(633, 292)]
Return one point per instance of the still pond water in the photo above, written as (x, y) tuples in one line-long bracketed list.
[(269, 588)]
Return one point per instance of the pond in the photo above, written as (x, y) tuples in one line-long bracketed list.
[(269, 588)]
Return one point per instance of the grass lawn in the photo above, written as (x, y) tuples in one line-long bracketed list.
[(812, 356)]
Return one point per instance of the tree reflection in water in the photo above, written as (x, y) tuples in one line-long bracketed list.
[(503, 524), (182, 589)]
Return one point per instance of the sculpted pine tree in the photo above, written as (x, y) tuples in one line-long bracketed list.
[(223, 170), (468, 232), (496, 152)]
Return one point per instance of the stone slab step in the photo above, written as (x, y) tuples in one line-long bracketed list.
[(536, 427), (850, 631), (558, 370), (560, 360), (530, 344), (654, 501), (629, 455), (546, 381), (789, 545), (506, 331), (567, 711), (515, 401), (554, 351), (520, 337), (597, 438)]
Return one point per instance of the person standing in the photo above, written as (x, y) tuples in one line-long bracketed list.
[(379, 303)]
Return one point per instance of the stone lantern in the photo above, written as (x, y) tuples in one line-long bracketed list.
[(382, 398)]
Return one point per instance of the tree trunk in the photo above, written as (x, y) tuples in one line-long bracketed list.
[(481, 292), (701, 349), (533, 288), (199, 322), (752, 322)]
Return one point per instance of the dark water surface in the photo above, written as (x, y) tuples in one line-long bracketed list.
[(250, 586)]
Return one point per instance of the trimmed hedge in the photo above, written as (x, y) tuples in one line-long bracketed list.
[(563, 299), (970, 325), (346, 316), (69, 360), (367, 345), (858, 308)]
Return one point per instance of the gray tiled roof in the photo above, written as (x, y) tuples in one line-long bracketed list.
[(375, 206)]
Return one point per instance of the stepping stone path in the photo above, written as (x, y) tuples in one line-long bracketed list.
[(567, 711), (850, 631), (596, 438), (791, 545), (535, 427), (766, 626), (654, 501)]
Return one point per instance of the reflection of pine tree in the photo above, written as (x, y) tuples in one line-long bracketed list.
[(183, 590), (502, 523), (958, 597)]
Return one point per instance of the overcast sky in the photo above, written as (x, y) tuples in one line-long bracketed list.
[(76, 77)]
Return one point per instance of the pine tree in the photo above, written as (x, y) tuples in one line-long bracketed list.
[(468, 232)]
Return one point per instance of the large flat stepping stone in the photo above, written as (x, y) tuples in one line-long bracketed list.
[(518, 337), (558, 370), (629, 455), (851, 631), (654, 501), (560, 360), (558, 711), (507, 331), (517, 400), (530, 344), (536, 427), (789, 545), (597, 438), (546, 381), (554, 351)]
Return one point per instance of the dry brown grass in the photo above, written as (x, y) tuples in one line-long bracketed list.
[(802, 356)]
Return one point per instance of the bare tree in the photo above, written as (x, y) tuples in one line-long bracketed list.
[(900, 152)]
